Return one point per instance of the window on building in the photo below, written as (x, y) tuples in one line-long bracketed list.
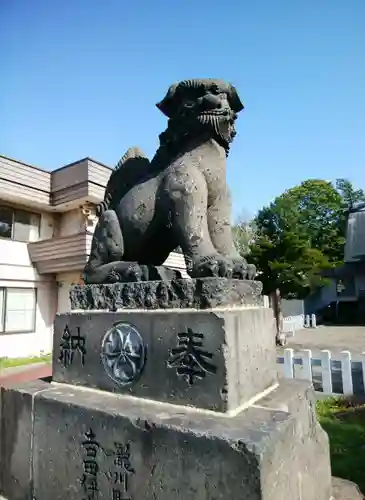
[(17, 310), (19, 225), (26, 226), (2, 309), (346, 287), (6, 222)]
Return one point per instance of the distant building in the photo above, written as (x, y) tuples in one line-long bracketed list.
[(346, 289), (47, 220), (355, 235)]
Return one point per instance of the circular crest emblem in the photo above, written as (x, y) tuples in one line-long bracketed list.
[(123, 353)]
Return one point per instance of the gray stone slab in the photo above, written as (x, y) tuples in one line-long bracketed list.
[(345, 490), (161, 451), (16, 431), (201, 293), (230, 361), (297, 397)]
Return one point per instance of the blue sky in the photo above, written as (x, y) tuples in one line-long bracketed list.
[(81, 78)]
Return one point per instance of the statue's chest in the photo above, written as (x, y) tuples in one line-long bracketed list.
[(213, 167), (211, 162)]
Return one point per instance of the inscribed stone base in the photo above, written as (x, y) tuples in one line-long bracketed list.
[(120, 447), (216, 359)]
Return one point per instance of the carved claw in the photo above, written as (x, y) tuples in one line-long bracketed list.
[(114, 276), (212, 266), (251, 272), (242, 270), (126, 272), (239, 269), (133, 272)]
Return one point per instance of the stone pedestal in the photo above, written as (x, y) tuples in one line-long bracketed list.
[(168, 404), (200, 293), (217, 359), (65, 442)]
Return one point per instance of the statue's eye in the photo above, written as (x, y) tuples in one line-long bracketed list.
[(215, 89)]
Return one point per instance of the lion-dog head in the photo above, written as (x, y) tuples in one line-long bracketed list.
[(212, 104)]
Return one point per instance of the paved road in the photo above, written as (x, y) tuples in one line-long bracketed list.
[(335, 339), (22, 374)]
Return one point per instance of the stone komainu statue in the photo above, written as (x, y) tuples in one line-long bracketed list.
[(179, 199)]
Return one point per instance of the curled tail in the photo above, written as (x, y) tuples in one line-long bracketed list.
[(120, 177)]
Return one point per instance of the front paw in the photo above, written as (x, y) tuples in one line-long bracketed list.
[(251, 271), (242, 270), (114, 276), (125, 272), (239, 269), (212, 266)]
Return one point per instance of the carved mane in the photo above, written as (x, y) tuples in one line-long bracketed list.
[(119, 178)]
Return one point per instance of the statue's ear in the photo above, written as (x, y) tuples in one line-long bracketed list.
[(168, 104), (235, 101)]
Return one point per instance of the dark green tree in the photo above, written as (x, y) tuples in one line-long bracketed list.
[(350, 196), (301, 233)]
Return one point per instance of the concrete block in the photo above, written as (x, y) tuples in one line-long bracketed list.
[(217, 359), (16, 438), (127, 448)]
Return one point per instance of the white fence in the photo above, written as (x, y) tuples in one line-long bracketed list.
[(330, 376), (292, 323)]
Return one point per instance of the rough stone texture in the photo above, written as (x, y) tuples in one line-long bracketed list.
[(239, 361), (298, 398), (345, 490), (173, 453), (150, 208), (16, 432), (180, 293)]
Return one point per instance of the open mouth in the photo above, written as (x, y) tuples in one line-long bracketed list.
[(226, 112), (224, 116)]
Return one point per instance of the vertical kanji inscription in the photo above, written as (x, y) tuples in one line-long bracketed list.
[(71, 344), (121, 473), (89, 478)]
